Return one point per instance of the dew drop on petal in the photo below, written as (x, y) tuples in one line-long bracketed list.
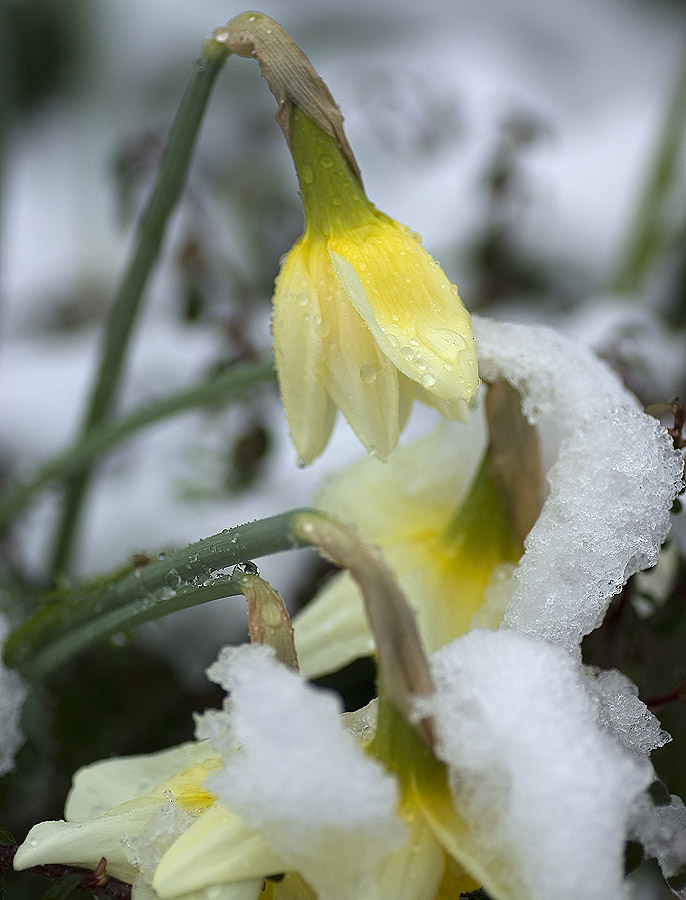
[(427, 380), (307, 174), (326, 161), (368, 374)]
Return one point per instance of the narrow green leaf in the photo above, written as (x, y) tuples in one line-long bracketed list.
[(647, 236), (73, 620), (152, 227)]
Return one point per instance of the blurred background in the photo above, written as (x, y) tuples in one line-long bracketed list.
[(538, 146)]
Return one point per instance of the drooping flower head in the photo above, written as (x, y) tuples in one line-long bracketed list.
[(364, 321)]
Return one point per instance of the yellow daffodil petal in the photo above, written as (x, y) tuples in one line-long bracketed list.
[(333, 631), (410, 307), (298, 330), (362, 382), (217, 848), (448, 564), (85, 843), (413, 872), (100, 787)]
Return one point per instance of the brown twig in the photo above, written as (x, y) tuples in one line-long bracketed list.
[(95, 882), (676, 695)]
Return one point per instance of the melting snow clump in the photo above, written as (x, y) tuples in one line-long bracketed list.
[(292, 770), (611, 484), (546, 790)]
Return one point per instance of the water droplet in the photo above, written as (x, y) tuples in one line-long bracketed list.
[(303, 299), (368, 374), (362, 265), (326, 161), (337, 200), (173, 579), (307, 174), (245, 568), (427, 380), (407, 352)]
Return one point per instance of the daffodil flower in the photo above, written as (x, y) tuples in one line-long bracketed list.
[(364, 320), (284, 793), (434, 509)]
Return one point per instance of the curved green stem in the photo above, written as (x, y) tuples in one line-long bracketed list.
[(214, 389), (150, 234), (70, 622)]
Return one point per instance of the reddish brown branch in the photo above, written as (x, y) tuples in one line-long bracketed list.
[(676, 695), (97, 883)]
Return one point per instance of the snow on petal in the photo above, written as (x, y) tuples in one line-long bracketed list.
[(546, 790), (613, 478), (293, 771)]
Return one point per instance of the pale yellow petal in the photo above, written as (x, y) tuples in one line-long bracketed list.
[(433, 800), (332, 631), (416, 493), (413, 872), (85, 843), (299, 333), (218, 848), (363, 382), (409, 306), (453, 410), (98, 788)]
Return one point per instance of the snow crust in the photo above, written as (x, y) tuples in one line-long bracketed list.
[(547, 791), (661, 828), (292, 770), (610, 488)]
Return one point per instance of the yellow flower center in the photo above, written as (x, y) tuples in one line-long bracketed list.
[(185, 788)]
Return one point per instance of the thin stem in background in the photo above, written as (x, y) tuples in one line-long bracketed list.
[(647, 237), (151, 231), (215, 389)]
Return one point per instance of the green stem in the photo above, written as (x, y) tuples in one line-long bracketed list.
[(69, 623), (647, 235), (150, 234), (215, 389)]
